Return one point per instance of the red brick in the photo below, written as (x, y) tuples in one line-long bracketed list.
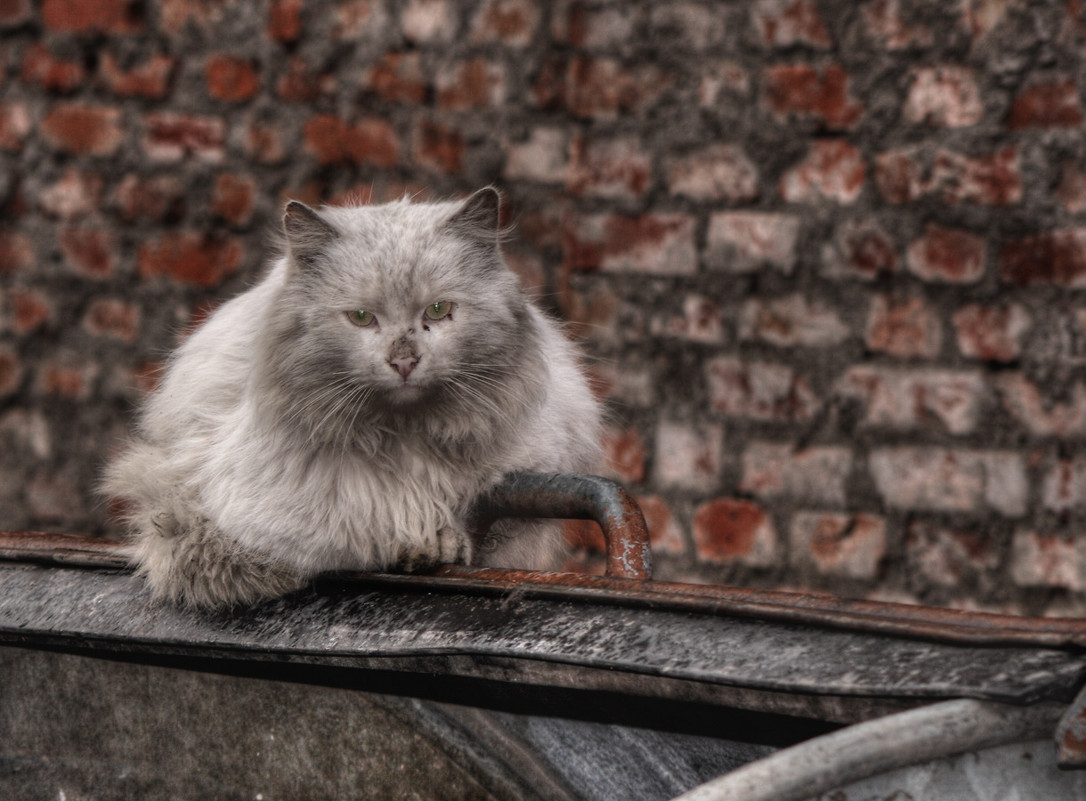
[(847, 546), (791, 321), (1072, 189), (616, 168), (544, 157), (906, 328), (472, 84), (721, 78), (42, 68), (665, 534), (717, 172), (357, 20), (949, 557), (758, 390), (116, 319), (661, 244), (16, 252), (817, 474), (948, 255), (728, 530), (171, 137), (175, 16), (14, 13), (14, 125), (76, 194), (948, 480), (67, 380), (991, 333), (84, 130), (885, 24), (624, 453), (299, 85), (588, 28), (231, 79), (1047, 105), (160, 197), (902, 176), (429, 21), (916, 400), (591, 315), (833, 170), (150, 79), (1064, 485), (699, 27), (859, 249), (744, 241), (785, 23), (333, 141), (398, 78), (981, 17), (233, 198), (511, 22), (285, 20), (264, 143), (1039, 415), (439, 147), (1048, 560), (803, 90), (584, 535), (602, 88), (30, 310), (88, 251), (190, 258), (1056, 257), (85, 16), (688, 456), (11, 371), (701, 321), (944, 96)]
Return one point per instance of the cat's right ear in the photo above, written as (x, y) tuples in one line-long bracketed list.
[(308, 234)]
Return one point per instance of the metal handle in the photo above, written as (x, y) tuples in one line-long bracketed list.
[(576, 497)]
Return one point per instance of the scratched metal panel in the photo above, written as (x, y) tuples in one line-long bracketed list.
[(344, 624)]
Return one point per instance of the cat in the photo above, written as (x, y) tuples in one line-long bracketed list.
[(344, 412)]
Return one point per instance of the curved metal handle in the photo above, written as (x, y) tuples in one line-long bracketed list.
[(575, 497)]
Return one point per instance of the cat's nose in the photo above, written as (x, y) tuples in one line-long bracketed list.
[(404, 365)]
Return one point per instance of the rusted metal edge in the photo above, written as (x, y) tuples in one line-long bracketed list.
[(1071, 735), (919, 622)]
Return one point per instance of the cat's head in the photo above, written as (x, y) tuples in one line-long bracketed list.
[(402, 304)]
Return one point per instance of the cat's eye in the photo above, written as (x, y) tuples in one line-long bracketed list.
[(439, 310), (362, 318)]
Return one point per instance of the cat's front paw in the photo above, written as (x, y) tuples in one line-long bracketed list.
[(449, 546)]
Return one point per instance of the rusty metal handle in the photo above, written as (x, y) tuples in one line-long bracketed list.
[(576, 497)]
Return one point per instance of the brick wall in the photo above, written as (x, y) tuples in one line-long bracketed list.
[(827, 257)]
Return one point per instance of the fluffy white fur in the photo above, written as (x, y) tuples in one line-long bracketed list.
[(284, 441)]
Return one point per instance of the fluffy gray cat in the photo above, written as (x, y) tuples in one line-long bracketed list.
[(345, 411)]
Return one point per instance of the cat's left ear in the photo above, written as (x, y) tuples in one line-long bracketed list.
[(308, 234), (479, 216)]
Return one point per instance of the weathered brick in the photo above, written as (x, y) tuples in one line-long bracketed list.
[(334, 141), (44, 69), (1048, 560), (991, 333), (816, 474), (1072, 189), (903, 327), (1047, 105), (594, 28), (84, 130), (842, 545), (264, 143), (948, 557), (233, 198), (471, 84), (905, 175), (150, 79), (630, 383), (744, 241), (76, 194), (439, 147), (758, 390), (11, 371), (66, 379), (824, 95), (1064, 485), (398, 78), (231, 79), (913, 400), (716, 172), (859, 249), (584, 535), (161, 197), (945, 96), (793, 320), (1055, 257), (16, 252), (14, 13), (604, 88), (26, 431), (84, 16), (701, 320), (170, 137), (728, 530), (946, 254), (429, 21), (285, 20), (833, 170), (981, 17), (722, 78), (885, 23), (1038, 414), (665, 533), (88, 251), (54, 499), (699, 27), (950, 480), (300, 84), (513, 23), (624, 454), (687, 456), (661, 244), (30, 310), (785, 23), (360, 20), (114, 318), (189, 257), (611, 168), (14, 125), (544, 157)]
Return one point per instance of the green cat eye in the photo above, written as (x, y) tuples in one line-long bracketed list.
[(362, 318), (438, 311)]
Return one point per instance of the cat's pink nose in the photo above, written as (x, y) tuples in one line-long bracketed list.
[(404, 365)]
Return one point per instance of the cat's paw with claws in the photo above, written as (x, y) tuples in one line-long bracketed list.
[(449, 546)]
